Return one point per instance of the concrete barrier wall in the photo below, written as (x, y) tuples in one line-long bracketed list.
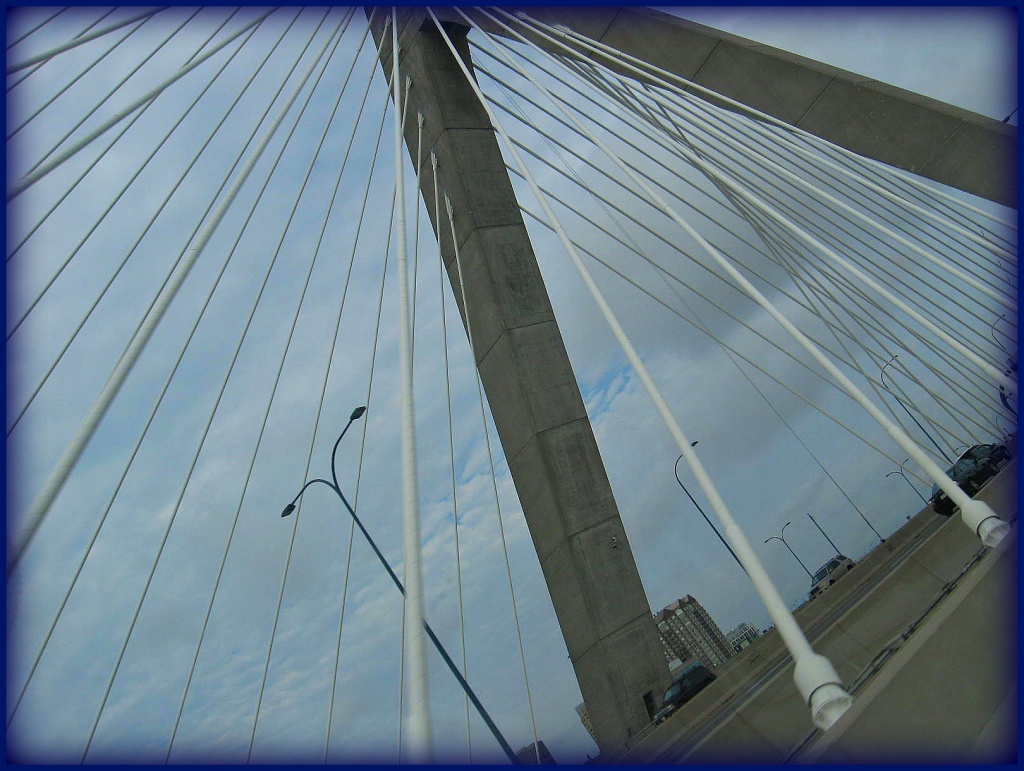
[(949, 695)]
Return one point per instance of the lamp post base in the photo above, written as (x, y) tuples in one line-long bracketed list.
[(822, 689), (983, 522)]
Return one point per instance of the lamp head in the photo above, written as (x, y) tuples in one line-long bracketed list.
[(288, 509), (357, 413)]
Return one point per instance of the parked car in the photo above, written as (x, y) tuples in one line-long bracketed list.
[(829, 573), (972, 470), (688, 684)]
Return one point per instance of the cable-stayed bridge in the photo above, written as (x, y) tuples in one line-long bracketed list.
[(206, 257)]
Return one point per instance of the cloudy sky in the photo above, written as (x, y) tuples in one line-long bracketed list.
[(240, 426)]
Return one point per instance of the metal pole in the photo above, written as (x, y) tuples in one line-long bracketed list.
[(710, 524), (394, 578), (824, 533), (881, 376), (900, 472), (783, 539), (992, 331)]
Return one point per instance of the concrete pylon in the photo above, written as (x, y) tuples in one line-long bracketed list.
[(533, 394)]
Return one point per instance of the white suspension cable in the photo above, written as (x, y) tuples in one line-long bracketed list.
[(520, 145), (891, 279), (671, 244), (867, 323), (490, 459), (540, 220), (597, 225), (849, 267), (213, 33), (75, 80), (733, 359), (925, 194), (164, 203), (420, 739), (202, 441), (330, 356), (978, 516), (36, 67), (110, 93), (764, 397), (582, 157), (451, 455), (336, 36), (840, 334), (925, 230), (334, 340), (31, 178), (886, 177), (412, 362), (686, 202), (877, 316), (128, 465), (373, 359), (764, 158), (92, 164), (575, 153), (74, 449), (74, 43), (903, 306), (124, 130), (668, 79), (43, 23), (412, 357), (866, 327), (120, 194), (355, 498), (739, 208), (838, 328)]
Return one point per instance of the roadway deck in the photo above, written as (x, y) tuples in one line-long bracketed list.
[(923, 633)]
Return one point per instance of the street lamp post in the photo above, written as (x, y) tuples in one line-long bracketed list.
[(824, 533), (881, 376), (900, 472), (356, 414), (783, 539), (710, 524), (992, 331)]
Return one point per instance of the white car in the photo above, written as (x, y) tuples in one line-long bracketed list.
[(829, 573)]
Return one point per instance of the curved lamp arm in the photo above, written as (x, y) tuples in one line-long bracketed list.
[(356, 414), (291, 506)]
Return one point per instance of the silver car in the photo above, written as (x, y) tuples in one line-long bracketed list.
[(829, 573)]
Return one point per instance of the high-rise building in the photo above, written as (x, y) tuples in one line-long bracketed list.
[(581, 710), (535, 754), (740, 637), (688, 632)]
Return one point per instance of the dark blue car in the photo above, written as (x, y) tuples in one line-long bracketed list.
[(690, 682), (971, 471)]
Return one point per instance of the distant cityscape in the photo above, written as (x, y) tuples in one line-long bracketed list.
[(689, 635)]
